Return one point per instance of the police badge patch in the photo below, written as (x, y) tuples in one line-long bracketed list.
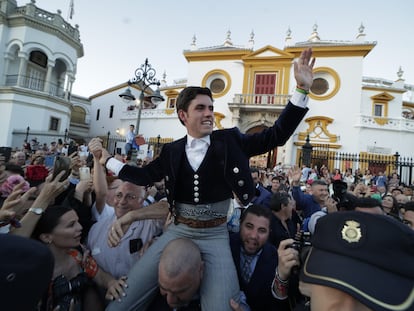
[(351, 232)]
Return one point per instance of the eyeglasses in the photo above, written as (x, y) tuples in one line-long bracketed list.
[(128, 197)]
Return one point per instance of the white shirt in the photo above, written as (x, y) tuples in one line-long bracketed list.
[(130, 137), (196, 149)]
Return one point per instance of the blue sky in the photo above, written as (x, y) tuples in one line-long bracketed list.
[(119, 35)]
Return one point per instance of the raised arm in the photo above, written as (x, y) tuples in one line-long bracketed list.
[(51, 189), (99, 181)]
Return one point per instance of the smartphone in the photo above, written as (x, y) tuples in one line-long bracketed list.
[(84, 173), (61, 164), (6, 152), (135, 245)]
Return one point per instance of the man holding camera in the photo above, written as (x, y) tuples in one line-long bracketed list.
[(263, 271)]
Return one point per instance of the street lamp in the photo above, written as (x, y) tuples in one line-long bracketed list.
[(27, 132), (158, 144), (144, 78), (107, 140)]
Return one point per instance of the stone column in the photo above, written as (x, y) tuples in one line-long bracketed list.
[(21, 78)]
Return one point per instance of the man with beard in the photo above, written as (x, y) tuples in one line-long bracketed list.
[(263, 270)]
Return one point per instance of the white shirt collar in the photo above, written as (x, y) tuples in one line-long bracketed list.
[(205, 139)]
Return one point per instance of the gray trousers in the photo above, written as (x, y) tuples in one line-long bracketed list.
[(219, 283)]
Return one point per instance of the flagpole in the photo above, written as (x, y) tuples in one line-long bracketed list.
[(71, 9)]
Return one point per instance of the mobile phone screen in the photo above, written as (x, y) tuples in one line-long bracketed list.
[(61, 164)]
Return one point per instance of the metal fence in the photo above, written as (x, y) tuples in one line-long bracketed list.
[(375, 162), (115, 144)]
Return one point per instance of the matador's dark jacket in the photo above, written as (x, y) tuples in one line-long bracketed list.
[(225, 167)]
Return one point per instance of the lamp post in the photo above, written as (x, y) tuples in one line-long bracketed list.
[(144, 78), (158, 144), (107, 140), (27, 132), (307, 152)]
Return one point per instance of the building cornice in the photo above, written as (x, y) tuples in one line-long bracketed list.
[(333, 50), (198, 56)]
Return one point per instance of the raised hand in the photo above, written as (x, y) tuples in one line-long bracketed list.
[(303, 69), (294, 175), (16, 201), (95, 147)]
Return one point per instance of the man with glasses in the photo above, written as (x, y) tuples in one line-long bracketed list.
[(139, 225)]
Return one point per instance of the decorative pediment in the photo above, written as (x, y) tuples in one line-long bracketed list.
[(268, 52), (382, 97)]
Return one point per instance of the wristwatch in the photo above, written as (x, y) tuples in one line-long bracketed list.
[(36, 210)]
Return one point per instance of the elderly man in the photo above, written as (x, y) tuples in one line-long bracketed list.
[(359, 261), (201, 171), (127, 210), (19, 158)]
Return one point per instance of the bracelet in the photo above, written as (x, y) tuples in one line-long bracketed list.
[(281, 290), (280, 287), (277, 277), (302, 90)]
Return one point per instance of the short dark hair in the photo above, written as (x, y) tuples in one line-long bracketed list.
[(257, 210), (409, 206), (319, 182), (277, 200), (397, 189), (188, 94), (49, 220), (279, 178), (367, 202)]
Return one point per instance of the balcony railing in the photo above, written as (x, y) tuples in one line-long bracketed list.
[(35, 84), (393, 124), (261, 99), (50, 19)]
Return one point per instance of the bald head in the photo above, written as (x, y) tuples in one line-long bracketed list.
[(176, 253), (180, 272)]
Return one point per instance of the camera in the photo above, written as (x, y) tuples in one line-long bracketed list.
[(302, 243), (64, 290), (339, 190)]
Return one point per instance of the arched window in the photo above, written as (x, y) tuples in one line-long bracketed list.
[(78, 115)]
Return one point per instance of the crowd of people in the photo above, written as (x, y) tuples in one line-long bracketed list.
[(197, 228)]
